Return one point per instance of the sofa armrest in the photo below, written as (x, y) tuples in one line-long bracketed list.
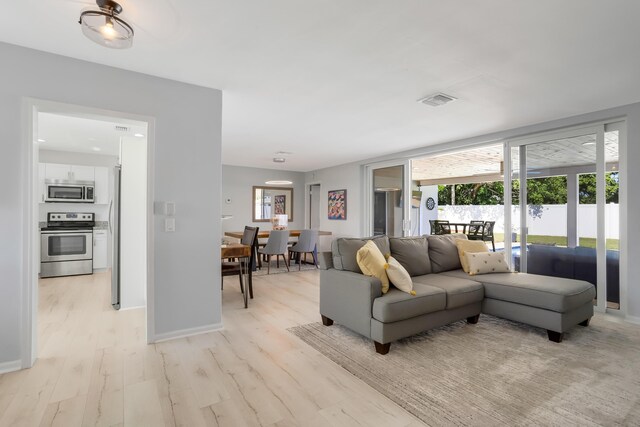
[(325, 259), (347, 298)]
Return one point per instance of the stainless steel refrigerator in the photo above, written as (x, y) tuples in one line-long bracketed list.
[(114, 229)]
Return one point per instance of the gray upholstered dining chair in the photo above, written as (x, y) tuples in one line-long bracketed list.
[(277, 244), (306, 245)]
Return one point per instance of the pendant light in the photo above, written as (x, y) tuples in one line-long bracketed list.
[(105, 28)]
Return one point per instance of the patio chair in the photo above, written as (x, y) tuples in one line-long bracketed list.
[(441, 226), (482, 232), (306, 245), (249, 237)]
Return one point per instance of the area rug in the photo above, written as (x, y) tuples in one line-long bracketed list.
[(275, 269), (498, 372)]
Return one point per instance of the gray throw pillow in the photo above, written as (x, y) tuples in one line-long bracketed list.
[(344, 251), (443, 252), (412, 253)]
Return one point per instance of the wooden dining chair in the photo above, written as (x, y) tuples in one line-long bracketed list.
[(250, 238), (306, 244), (442, 226), (277, 244)]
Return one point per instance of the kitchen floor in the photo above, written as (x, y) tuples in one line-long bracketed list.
[(94, 367)]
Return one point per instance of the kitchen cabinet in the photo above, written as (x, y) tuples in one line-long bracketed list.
[(102, 186), (100, 243), (69, 172)]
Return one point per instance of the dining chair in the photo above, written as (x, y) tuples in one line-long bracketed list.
[(250, 238), (277, 245), (486, 233), (475, 221), (306, 244)]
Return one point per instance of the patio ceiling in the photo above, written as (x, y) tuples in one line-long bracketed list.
[(483, 164)]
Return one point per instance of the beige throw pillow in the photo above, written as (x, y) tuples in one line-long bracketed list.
[(487, 262), (399, 276), (372, 263), (465, 246)]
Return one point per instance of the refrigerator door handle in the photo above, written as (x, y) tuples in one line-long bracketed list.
[(110, 220)]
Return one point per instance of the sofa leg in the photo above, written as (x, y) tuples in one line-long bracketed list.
[(585, 322), (382, 348), (555, 336), (326, 321), (473, 319)]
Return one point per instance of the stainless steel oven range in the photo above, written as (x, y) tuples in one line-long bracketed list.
[(66, 246)]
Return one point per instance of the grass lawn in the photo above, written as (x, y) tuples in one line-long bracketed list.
[(588, 242)]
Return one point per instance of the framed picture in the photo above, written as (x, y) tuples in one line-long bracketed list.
[(338, 204), (279, 204)]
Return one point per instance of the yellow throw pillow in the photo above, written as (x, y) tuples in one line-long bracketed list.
[(399, 276), (465, 246), (372, 263), (487, 262)]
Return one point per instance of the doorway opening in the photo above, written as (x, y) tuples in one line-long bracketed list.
[(91, 216), (314, 206)]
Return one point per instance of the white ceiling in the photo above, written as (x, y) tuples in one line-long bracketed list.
[(79, 134), (333, 82)]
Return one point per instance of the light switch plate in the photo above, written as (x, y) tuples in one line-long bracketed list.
[(170, 225), (170, 208)]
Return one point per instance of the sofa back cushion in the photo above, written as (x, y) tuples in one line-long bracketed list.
[(412, 253), (443, 252), (344, 251)]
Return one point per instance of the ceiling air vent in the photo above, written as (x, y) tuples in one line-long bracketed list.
[(437, 99), (122, 128)]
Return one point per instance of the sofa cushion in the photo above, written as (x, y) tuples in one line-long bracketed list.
[(344, 251), (412, 253), (469, 246), (443, 252), (486, 263), (551, 293), (460, 292), (396, 305), (372, 263), (398, 276)]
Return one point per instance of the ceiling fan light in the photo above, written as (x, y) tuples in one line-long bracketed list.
[(105, 28)]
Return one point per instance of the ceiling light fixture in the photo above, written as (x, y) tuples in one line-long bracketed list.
[(105, 28), (279, 182), (42, 140), (279, 160), (138, 135), (588, 143), (96, 149)]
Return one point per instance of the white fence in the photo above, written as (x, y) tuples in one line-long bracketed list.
[(549, 220)]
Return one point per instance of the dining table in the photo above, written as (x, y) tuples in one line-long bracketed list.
[(264, 234), (243, 253)]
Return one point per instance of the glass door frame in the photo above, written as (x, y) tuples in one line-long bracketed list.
[(406, 194), (521, 143)]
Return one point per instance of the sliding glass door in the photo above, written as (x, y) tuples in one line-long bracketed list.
[(559, 189)]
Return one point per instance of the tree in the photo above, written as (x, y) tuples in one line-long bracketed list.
[(550, 190)]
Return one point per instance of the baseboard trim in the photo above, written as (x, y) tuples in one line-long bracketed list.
[(12, 365), (632, 319), (187, 332)]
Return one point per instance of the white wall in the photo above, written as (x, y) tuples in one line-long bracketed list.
[(133, 222), (337, 178), (550, 221), (72, 158), (187, 171), (237, 185)]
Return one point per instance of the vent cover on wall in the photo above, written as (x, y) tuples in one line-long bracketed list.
[(122, 128), (437, 99)]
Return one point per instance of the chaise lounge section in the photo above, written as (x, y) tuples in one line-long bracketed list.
[(444, 292)]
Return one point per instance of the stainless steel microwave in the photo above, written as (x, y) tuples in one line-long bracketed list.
[(69, 191)]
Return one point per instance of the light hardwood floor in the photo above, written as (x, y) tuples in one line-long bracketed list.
[(94, 367)]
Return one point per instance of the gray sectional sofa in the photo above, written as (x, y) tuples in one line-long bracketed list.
[(444, 293)]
